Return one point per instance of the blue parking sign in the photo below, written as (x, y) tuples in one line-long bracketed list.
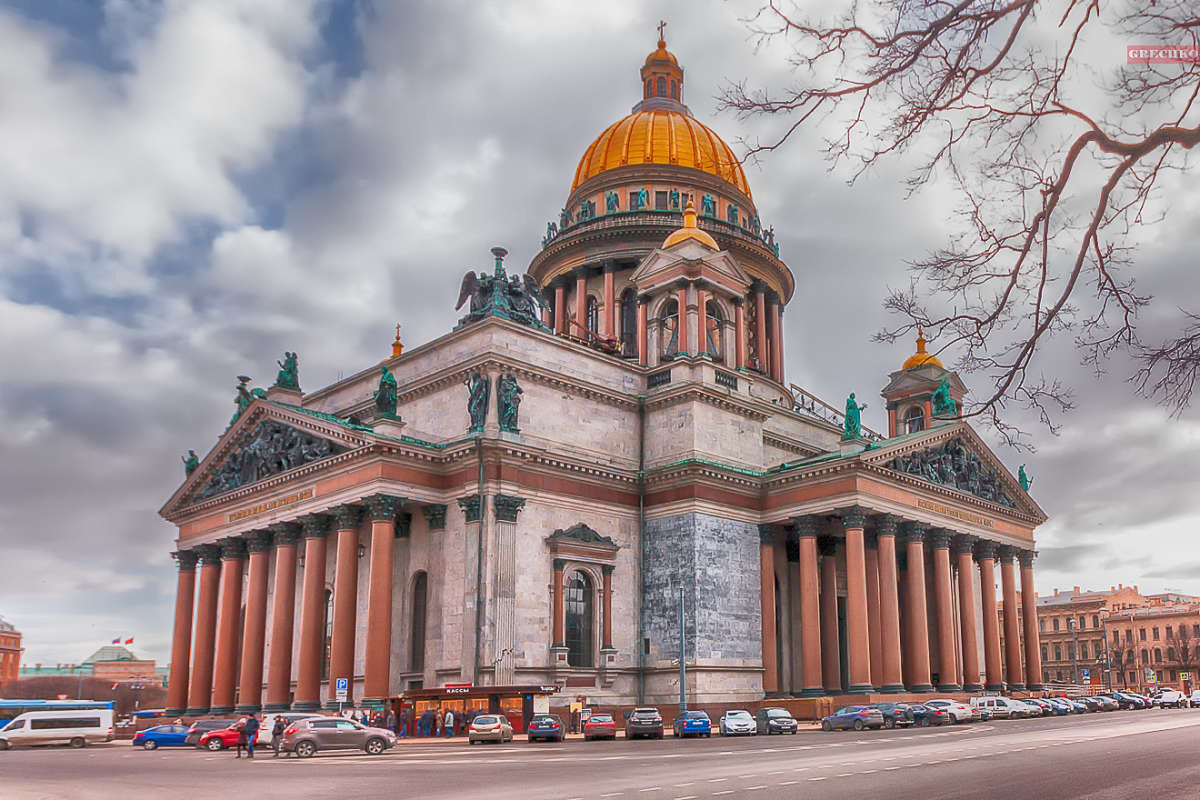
[(342, 685), (1086, 674)]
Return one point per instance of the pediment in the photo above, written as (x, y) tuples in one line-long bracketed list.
[(954, 457), (690, 260), (925, 378), (268, 439)]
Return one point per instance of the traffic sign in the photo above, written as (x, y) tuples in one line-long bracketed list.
[(341, 688), (1085, 674), (1185, 676)]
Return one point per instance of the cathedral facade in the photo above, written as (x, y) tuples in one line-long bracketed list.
[(601, 448)]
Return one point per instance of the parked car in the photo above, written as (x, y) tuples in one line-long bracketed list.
[(856, 717), (305, 737), (895, 714), (161, 736), (692, 723), (924, 716), (1171, 699), (76, 728), (775, 720), (1059, 707), (1032, 709), (265, 734), (1001, 707), (600, 726), (203, 726), (1048, 709), (546, 726), (1146, 701), (1092, 704), (490, 728), (644, 722), (958, 712), (1194, 702), (221, 738), (737, 722), (1125, 701)]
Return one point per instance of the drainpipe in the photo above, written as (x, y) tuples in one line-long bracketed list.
[(479, 564), (641, 484)]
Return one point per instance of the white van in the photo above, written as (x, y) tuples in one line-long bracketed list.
[(1001, 707), (76, 728)]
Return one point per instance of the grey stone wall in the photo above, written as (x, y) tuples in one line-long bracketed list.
[(716, 561)]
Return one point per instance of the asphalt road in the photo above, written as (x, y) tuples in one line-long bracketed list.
[(1110, 756)]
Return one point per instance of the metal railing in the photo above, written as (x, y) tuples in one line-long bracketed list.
[(805, 402)]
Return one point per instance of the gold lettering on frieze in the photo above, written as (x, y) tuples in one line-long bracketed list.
[(271, 505), (965, 516)]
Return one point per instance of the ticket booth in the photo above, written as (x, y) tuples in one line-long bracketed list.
[(517, 703)]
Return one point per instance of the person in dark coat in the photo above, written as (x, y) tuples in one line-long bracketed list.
[(247, 733), (277, 734)]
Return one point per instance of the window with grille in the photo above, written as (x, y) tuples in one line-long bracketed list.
[(579, 609)]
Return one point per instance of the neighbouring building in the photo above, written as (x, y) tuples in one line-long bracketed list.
[(10, 652), (110, 662), (529, 498)]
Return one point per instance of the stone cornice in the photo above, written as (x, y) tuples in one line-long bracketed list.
[(791, 445), (694, 392)]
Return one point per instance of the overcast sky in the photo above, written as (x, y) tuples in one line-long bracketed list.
[(188, 189)]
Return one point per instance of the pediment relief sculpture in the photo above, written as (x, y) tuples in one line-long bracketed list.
[(268, 449)]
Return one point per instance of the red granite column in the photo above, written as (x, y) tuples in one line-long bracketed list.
[(250, 682), (766, 594), (580, 303), (345, 600), (701, 337), (312, 614), (200, 688), (858, 638), (1033, 653), (383, 509), (760, 326), (874, 632), (606, 641), (776, 339), (560, 305), (1012, 636), (229, 625), (642, 331), (918, 656), (181, 638), (556, 591), (831, 648), (810, 609), (986, 553), (943, 601), (610, 300), (681, 301), (963, 546), (889, 606), (283, 618), (740, 330)]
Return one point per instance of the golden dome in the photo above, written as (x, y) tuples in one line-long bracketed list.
[(920, 358), (661, 136), (690, 231), (661, 54)]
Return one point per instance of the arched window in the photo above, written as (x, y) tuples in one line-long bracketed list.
[(593, 315), (416, 650), (712, 329), (629, 323), (669, 322), (1145, 656), (579, 620), (914, 420), (649, 89), (1157, 656), (675, 90), (328, 628), (662, 86), (1170, 654)]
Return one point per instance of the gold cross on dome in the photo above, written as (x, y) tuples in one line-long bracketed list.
[(661, 25)]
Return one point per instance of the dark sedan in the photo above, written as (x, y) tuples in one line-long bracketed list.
[(895, 714), (775, 720), (546, 726), (644, 722), (203, 726), (924, 716), (856, 717)]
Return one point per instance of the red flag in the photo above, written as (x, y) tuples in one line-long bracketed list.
[(117, 640), (129, 640)]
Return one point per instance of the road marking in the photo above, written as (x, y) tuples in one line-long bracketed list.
[(727, 791), (868, 771), (613, 794), (686, 797), (717, 780), (753, 788), (889, 769), (681, 785), (650, 789), (818, 779), (787, 783)]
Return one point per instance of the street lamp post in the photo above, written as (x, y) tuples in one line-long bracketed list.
[(1107, 657), (1074, 648)]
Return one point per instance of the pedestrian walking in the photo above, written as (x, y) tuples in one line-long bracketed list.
[(251, 730), (389, 721), (448, 724), (240, 727), (277, 734), (403, 732)]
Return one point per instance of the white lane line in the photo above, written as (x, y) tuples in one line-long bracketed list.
[(787, 783), (868, 771), (753, 788), (844, 774), (686, 797), (889, 769), (613, 794), (717, 780), (727, 791), (681, 785), (650, 789), (817, 779)]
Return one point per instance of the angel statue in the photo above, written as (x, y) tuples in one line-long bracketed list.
[(289, 373), (852, 427), (476, 289), (525, 299)]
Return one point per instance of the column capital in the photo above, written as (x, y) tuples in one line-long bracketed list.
[(827, 545), (606, 570), (1026, 557), (210, 554), (914, 531), (985, 549), (286, 533), (766, 534), (758, 285), (682, 284), (435, 516), (346, 517), (314, 526), (644, 299), (738, 301), (807, 526), (560, 564), (233, 548), (1005, 553), (853, 517), (186, 559), (886, 524), (609, 265), (472, 507), (964, 543), (940, 538), (258, 541), (506, 507), (383, 507)]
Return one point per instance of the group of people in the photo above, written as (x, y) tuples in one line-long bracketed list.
[(439, 722)]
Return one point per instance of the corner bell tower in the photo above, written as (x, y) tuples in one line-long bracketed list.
[(909, 393)]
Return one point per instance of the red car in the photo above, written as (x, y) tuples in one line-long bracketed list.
[(220, 739), (600, 726)]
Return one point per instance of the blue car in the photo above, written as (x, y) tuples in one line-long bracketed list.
[(693, 723), (161, 736), (856, 717)]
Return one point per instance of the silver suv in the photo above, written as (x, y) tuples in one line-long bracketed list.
[(306, 736)]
